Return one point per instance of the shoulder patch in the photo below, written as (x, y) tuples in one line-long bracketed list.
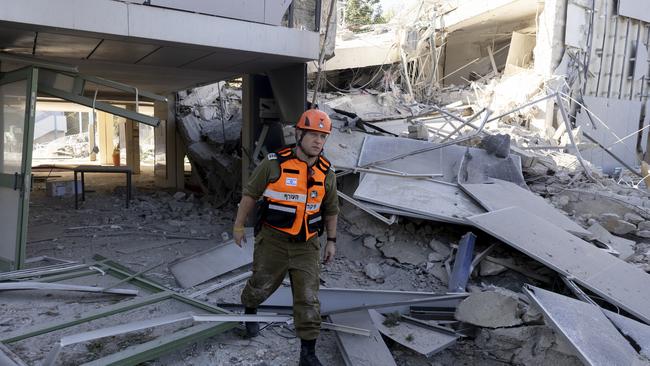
[(272, 156)]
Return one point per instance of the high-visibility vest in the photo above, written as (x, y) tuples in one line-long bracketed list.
[(293, 202)]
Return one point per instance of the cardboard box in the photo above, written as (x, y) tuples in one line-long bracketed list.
[(60, 188)]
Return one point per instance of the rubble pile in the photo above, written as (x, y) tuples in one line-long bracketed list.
[(209, 120)]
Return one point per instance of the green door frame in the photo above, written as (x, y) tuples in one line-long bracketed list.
[(23, 182)]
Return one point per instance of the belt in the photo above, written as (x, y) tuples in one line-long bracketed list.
[(276, 234)]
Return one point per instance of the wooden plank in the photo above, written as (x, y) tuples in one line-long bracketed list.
[(614, 280)]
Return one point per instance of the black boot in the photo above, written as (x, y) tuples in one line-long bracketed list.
[(308, 353), (252, 328)]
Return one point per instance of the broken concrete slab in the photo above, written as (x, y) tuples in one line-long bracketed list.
[(425, 341), (405, 252), (358, 350), (489, 309), (440, 202), (632, 329), (501, 194), (614, 280), (594, 338), (213, 262), (623, 246)]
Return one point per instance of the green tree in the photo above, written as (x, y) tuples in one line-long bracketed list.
[(359, 12)]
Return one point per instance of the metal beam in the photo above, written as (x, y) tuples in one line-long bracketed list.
[(243, 318), (30, 285), (345, 329), (221, 285), (102, 106), (123, 87)]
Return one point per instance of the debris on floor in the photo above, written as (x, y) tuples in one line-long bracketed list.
[(494, 210)]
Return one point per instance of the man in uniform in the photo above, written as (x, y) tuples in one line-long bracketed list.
[(299, 201)]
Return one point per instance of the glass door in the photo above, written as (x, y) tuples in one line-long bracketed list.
[(17, 105)]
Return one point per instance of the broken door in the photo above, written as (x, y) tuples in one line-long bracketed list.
[(17, 102)]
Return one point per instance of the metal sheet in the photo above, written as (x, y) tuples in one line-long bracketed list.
[(633, 329), (635, 9), (614, 280), (220, 285), (594, 338), (621, 118), (338, 299), (345, 329), (421, 340), (439, 201), (445, 161), (208, 264), (358, 350), (501, 194)]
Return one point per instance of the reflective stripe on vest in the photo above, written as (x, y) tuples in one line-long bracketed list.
[(294, 199)]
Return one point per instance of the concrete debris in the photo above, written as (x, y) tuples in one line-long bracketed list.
[(438, 130), (488, 268), (498, 145), (439, 248), (374, 271), (406, 252), (370, 242), (624, 247), (490, 309), (528, 345)]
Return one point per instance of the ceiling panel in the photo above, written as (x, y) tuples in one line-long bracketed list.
[(61, 45), (16, 40), (222, 59), (119, 51), (174, 56)]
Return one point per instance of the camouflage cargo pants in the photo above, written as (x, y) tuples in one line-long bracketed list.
[(272, 259)]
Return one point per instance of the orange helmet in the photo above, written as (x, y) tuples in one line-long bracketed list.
[(315, 120)]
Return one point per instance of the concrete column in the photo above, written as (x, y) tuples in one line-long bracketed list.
[(132, 136), (254, 87), (169, 149), (290, 90)]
